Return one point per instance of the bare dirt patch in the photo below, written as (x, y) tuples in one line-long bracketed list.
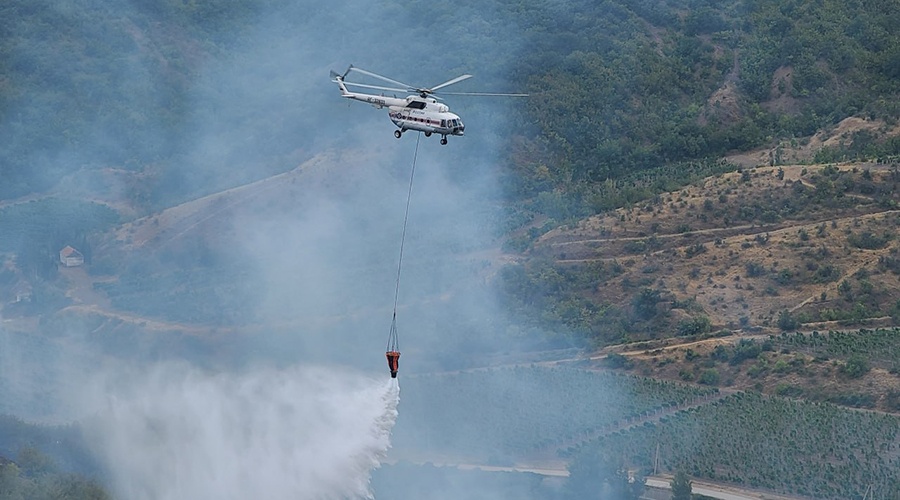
[(803, 150), (781, 98)]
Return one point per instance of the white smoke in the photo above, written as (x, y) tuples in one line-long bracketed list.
[(300, 433)]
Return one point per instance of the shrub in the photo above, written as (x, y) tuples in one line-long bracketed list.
[(744, 350), (787, 321), (693, 326), (720, 353), (645, 303), (856, 366), (868, 240), (709, 377), (615, 360), (754, 269)]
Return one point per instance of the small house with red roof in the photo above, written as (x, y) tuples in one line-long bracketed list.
[(70, 257)]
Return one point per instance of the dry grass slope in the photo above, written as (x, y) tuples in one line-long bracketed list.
[(758, 252), (742, 247)]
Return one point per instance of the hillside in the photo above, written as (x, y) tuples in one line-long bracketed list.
[(695, 191), (738, 250), (754, 252), (703, 283), (684, 80), (618, 86), (687, 278)]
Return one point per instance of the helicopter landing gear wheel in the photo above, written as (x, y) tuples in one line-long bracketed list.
[(398, 134), (427, 134), (443, 141)]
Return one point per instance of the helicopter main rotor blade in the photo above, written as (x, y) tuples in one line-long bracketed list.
[(487, 94), (449, 82), (408, 87), (376, 87)]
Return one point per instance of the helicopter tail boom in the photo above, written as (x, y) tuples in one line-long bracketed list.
[(378, 101)]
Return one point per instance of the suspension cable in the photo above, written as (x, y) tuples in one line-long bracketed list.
[(393, 341)]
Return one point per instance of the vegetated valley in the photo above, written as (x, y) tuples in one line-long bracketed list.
[(690, 240), (771, 297)]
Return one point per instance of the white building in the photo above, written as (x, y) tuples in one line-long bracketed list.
[(70, 257)]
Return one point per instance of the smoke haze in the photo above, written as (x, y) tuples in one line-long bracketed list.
[(275, 413)]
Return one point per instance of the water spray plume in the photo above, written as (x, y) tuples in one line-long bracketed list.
[(300, 434)]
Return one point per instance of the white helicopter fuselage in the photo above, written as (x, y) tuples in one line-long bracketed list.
[(426, 115), (423, 114)]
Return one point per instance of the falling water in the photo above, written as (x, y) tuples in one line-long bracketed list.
[(301, 433)]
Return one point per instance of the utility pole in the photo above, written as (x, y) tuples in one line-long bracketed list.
[(656, 462)]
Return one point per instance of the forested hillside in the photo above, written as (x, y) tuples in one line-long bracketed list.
[(93, 84), (147, 106), (46, 462), (143, 107), (618, 86), (635, 85)]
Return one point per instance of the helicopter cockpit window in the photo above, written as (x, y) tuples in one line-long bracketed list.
[(416, 105)]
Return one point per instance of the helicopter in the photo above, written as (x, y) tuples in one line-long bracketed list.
[(420, 112)]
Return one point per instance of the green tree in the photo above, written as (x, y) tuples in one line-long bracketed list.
[(616, 360), (681, 486), (694, 326), (598, 473), (645, 303), (18, 484), (856, 366), (845, 290), (10, 486), (33, 463), (787, 321), (70, 486), (710, 376)]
